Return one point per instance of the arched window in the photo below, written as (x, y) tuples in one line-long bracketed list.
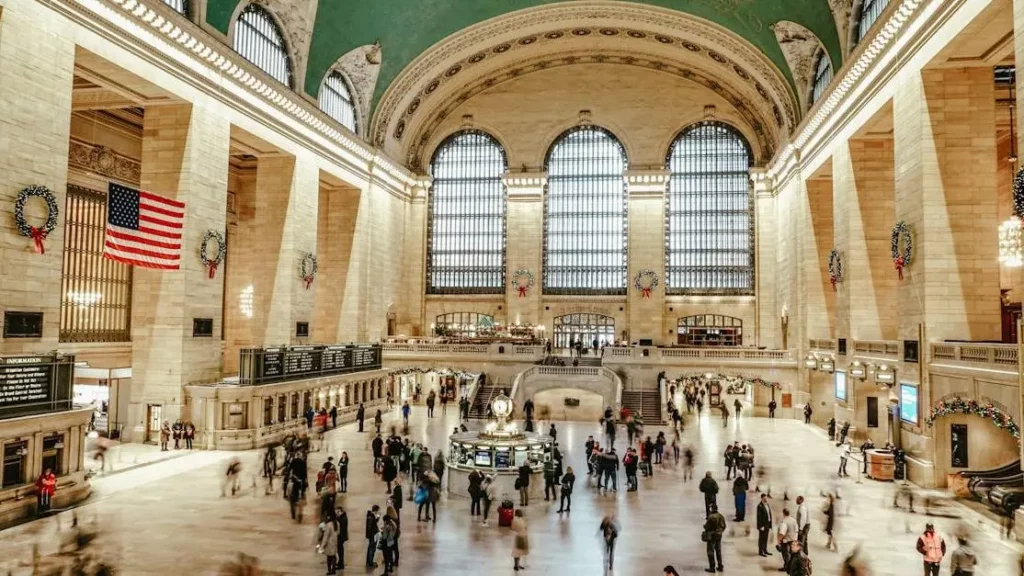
[(466, 224), (179, 6), (337, 102), (585, 214), (870, 10), (709, 242), (822, 76), (259, 40), (584, 328)]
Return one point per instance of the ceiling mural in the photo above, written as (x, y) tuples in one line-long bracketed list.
[(408, 28)]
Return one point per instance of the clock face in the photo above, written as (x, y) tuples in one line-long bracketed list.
[(502, 406)]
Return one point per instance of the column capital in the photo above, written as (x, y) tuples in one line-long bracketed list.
[(762, 181), (525, 184), (419, 187), (646, 182)]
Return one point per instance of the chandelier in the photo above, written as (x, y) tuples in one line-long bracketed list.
[(1010, 252)]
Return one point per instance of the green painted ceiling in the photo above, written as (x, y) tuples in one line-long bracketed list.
[(406, 28)]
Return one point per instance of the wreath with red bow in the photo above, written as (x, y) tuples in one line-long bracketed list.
[(52, 212), (901, 258), (204, 251), (522, 279), (308, 267), (645, 281)]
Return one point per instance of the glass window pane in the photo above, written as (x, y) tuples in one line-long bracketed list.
[(337, 102), (259, 40)]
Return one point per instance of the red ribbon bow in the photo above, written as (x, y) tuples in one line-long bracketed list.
[(899, 263), (309, 281), (212, 267), (522, 291), (832, 278), (645, 292), (38, 234)]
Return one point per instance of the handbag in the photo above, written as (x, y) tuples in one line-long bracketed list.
[(704, 536), (421, 495)]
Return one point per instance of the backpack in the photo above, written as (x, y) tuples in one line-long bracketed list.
[(319, 480), (806, 561)]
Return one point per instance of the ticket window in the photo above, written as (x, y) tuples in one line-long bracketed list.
[(268, 411), (282, 405), (14, 464), (234, 416), (295, 406), (53, 454)]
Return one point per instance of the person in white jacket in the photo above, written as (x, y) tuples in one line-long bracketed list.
[(844, 455)]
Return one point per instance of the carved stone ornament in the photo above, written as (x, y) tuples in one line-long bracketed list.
[(799, 46), (842, 11), (361, 66), (104, 161)]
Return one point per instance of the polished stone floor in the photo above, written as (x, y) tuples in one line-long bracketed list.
[(169, 517)]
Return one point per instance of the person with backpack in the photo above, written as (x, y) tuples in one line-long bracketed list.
[(609, 531), (709, 488), (568, 481), (798, 564), (714, 527)]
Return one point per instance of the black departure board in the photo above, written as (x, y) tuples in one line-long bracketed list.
[(262, 365), (35, 384)]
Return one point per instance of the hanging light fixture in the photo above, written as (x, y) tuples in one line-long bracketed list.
[(1011, 252)]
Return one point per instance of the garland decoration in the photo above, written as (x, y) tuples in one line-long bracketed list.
[(309, 268), (645, 281), (1018, 194), (959, 405), (901, 259), (52, 212), (835, 268), (204, 251), (522, 279), (700, 378)]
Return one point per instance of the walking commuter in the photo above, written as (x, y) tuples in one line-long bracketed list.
[(487, 493), (609, 531), (739, 493), (550, 479), (709, 488), (807, 413), (568, 481), (523, 483), (771, 408), (803, 522), (963, 560), (360, 416), (521, 542), (329, 543), (788, 533)]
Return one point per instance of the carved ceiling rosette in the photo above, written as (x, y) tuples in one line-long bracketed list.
[(518, 43)]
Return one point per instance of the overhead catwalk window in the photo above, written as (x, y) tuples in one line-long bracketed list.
[(179, 6), (869, 13), (822, 76), (466, 225), (96, 293), (259, 40), (585, 214), (337, 102), (709, 228)]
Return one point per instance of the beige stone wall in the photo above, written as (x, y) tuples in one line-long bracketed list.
[(36, 71)]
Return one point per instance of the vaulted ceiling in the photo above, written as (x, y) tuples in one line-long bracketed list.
[(408, 28)]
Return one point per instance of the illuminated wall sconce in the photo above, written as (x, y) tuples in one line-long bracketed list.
[(885, 375), (827, 365), (858, 370), (811, 362), (246, 300), (85, 299)]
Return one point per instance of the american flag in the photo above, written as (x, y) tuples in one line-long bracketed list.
[(143, 229)]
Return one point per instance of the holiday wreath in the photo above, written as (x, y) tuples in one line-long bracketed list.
[(959, 405), (835, 268), (522, 279), (645, 281), (52, 211), (204, 251), (901, 258), (308, 268)]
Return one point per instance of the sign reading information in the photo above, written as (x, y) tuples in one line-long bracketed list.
[(263, 365), (35, 384)]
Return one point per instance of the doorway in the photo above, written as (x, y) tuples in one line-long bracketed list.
[(584, 328), (154, 416)]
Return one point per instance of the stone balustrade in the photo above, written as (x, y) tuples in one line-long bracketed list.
[(997, 356), (675, 356), (513, 352)]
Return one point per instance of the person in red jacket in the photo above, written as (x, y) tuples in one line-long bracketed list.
[(46, 485), (932, 548)]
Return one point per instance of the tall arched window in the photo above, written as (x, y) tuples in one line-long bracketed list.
[(466, 224), (337, 102), (709, 247), (179, 6), (822, 76), (870, 10), (259, 40), (585, 214)]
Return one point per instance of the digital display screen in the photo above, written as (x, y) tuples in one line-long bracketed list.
[(503, 459), (908, 403), (483, 458), (840, 385)]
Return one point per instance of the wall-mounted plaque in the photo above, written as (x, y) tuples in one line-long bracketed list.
[(302, 329), (911, 351), (841, 347), (202, 327), (23, 324)]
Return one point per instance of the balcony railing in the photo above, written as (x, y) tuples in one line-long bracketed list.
[(515, 352), (821, 344), (676, 355), (994, 355), (879, 347)]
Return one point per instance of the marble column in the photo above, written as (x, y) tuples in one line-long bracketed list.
[(185, 151), (646, 191), (337, 285), (413, 292), (525, 245), (769, 311)]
